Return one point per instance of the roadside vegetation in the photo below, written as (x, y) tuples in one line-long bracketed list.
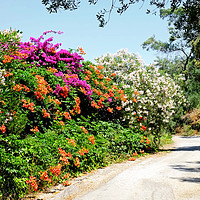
[(62, 116)]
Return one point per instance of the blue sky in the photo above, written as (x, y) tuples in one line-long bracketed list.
[(81, 29)]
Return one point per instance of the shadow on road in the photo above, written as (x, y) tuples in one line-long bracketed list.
[(185, 148), (193, 180), (190, 167), (186, 168)]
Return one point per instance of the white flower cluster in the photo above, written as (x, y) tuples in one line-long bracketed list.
[(2, 78), (15, 36), (154, 96)]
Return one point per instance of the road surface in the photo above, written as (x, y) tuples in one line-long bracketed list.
[(164, 176)]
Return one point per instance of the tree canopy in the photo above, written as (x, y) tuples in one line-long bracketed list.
[(120, 6)]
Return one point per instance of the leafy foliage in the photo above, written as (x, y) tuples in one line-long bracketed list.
[(60, 116), (103, 16), (155, 97)]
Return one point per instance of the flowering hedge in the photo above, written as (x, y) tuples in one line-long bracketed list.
[(152, 95), (54, 86), (59, 115)]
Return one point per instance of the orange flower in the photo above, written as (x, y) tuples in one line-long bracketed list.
[(102, 99), (57, 102), (93, 104), (135, 154), (56, 170), (45, 113), (81, 50), (136, 93), (33, 183), (28, 105), (65, 91), (143, 127), (102, 84), (99, 93), (39, 95), (142, 151), (52, 70), (106, 95), (134, 100), (147, 141), (83, 90), (91, 139), (87, 78), (65, 160), (110, 110), (44, 176), (88, 72), (84, 129), (111, 94), (69, 155), (97, 71), (3, 128), (131, 159), (123, 97), (62, 152), (108, 79), (110, 90), (101, 76), (61, 123), (113, 74), (66, 183), (67, 115), (17, 88), (91, 66), (77, 162), (43, 87), (96, 82), (35, 129), (66, 176), (120, 91), (71, 141), (26, 88), (100, 104), (118, 107), (82, 151), (95, 90), (8, 74), (114, 87), (100, 67), (7, 59), (53, 50)]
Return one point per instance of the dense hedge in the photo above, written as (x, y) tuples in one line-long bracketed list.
[(60, 116)]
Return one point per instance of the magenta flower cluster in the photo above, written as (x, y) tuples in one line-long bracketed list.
[(74, 82), (44, 53)]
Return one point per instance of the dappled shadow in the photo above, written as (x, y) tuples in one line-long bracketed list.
[(194, 136), (193, 180), (185, 148), (189, 179), (186, 168), (191, 167)]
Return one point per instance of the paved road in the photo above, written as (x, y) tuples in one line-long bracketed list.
[(174, 176), (164, 176)]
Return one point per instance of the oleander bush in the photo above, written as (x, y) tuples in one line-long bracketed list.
[(154, 96)]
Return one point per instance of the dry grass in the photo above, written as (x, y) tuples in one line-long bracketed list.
[(191, 123)]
